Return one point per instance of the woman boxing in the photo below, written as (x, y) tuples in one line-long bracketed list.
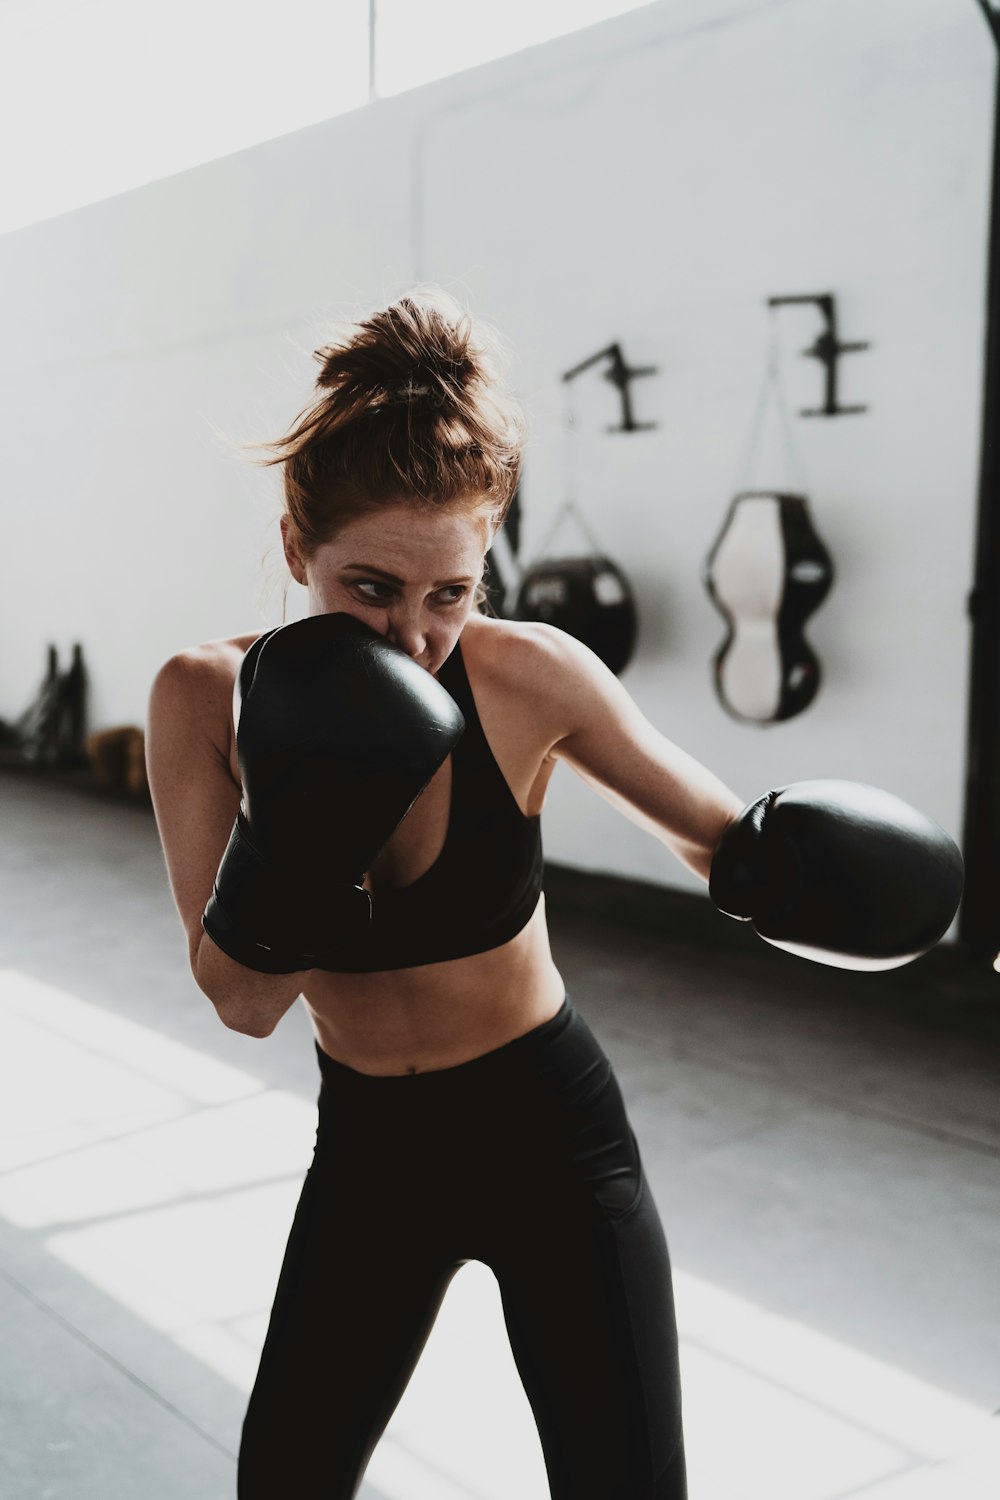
[(366, 835)]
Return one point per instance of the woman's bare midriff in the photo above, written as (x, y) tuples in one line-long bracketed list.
[(439, 1015), (415, 1020)]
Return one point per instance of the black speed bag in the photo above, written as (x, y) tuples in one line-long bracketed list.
[(588, 597)]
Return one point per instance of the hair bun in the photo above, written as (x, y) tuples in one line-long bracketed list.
[(412, 407)]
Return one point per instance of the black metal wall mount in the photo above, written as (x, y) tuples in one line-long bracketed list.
[(620, 374), (827, 349)]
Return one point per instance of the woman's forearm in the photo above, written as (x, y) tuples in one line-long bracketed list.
[(244, 999)]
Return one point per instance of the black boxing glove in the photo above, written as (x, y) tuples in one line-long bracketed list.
[(338, 733), (839, 872)]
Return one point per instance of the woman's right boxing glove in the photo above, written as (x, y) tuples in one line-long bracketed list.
[(338, 732)]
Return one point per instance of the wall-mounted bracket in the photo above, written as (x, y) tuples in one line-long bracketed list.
[(826, 349), (619, 374)]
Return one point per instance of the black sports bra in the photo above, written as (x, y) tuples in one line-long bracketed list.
[(484, 885)]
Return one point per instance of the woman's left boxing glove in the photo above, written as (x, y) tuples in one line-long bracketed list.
[(839, 872)]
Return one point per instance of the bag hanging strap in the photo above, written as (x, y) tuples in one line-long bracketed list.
[(771, 389), (569, 508)]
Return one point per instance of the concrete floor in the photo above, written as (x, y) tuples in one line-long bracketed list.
[(824, 1150)]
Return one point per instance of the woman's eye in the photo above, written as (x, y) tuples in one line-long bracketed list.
[(453, 594)]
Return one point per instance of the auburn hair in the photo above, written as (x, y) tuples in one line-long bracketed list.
[(412, 408)]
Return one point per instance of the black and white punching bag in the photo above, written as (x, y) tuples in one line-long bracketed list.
[(766, 574)]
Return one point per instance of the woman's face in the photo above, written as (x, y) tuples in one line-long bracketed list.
[(409, 574)]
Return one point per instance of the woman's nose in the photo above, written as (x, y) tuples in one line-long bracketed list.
[(407, 631)]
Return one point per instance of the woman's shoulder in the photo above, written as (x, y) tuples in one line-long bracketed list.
[(208, 661), (527, 654), (536, 676), (194, 688)]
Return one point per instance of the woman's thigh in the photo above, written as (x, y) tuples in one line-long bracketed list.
[(355, 1303), (588, 1299)]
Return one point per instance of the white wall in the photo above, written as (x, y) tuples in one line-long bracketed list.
[(651, 180)]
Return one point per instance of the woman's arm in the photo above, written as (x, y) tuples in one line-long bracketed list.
[(195, 801), (598, 730), (837, 872)]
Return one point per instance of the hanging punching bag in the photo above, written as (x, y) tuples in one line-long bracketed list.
[(766, 574), (588, 597)]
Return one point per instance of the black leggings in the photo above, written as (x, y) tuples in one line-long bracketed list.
[(523, 1159)]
